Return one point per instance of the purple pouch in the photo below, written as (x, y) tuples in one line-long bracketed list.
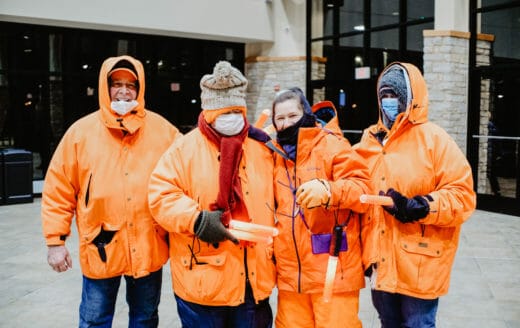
[(321, 242)]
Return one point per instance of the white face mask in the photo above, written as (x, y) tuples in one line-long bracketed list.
[(122, 106), (229, 124)]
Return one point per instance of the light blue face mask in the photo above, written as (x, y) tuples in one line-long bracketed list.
[(390, 107)]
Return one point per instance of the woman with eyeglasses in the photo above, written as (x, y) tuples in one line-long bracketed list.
[(318, 182)]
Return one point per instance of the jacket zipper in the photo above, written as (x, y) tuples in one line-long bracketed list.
[(293, 230), (297, 257)]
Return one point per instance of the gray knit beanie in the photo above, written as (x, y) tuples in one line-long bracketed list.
[(393, 81), (226, 87)]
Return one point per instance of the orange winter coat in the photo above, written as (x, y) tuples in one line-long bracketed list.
[(100, 175), (418, 158), (333, 124), (321, 154), (186, 181)]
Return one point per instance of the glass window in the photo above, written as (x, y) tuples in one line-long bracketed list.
[(351, 16), (388, 39), (49, 79), (486, 3), (414, 36), (384, 12), (419, 9), (352, 41), (505, 26), (5, 139), (327, 22)]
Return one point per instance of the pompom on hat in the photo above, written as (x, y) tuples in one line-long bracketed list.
[(222, 91)]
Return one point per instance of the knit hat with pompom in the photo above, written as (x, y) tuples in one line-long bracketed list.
[(222, 91)]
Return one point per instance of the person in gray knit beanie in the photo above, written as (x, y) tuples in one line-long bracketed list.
[(393, 84), (429, 181)]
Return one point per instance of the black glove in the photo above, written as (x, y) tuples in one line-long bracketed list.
[(210, 229), (407, 209)]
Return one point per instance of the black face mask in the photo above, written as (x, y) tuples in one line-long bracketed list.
[(289, 136)]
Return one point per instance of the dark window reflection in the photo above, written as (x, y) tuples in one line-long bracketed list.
[(49, 79)]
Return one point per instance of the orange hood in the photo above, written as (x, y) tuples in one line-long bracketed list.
[(130, 122), (417, 106)]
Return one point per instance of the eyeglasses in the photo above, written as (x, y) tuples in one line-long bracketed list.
[(119, 85)]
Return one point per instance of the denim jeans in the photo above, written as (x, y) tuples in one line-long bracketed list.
[(401, 311), (98, 301), (245, 315)]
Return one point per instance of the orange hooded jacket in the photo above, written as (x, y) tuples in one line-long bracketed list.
[(418, 158), (186, 181), (321, 154), (100, 175), (333, 123)]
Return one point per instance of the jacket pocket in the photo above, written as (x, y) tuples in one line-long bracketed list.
[(421, 263), (105, 253), (158, 246), (266, 269), (204, 276)]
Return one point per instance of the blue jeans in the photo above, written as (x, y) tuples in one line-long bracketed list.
[(245, 315), (98, 301), (401, 311)]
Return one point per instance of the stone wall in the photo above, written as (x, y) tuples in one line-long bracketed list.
[(268, 75), (446, 74), (483, 53), (446, 66)]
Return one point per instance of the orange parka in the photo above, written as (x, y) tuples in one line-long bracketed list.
[(185, 182), (418, 158), (99, 173), (333, 124), (321, 154)]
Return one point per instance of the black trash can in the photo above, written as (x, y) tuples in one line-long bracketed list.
[(16, 175)]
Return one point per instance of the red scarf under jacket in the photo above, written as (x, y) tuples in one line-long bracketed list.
[(230, 197)]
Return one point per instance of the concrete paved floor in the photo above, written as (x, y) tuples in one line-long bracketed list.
[(485, 287)]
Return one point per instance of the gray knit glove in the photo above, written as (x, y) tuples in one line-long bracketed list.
[(210, 229)]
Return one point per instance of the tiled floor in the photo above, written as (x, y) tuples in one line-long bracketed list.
[(485, 288)]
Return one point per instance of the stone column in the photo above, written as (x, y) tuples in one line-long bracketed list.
[(271, 67), (484, 45), (268, 75), (446, 69), (446, 74)]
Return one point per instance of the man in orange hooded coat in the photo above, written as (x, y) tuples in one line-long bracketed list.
[(408, 248), (99, 174)]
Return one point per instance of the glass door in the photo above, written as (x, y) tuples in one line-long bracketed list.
[(496, 146)]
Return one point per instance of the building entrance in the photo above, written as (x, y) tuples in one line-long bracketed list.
[(496, 147), (49, 79)]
